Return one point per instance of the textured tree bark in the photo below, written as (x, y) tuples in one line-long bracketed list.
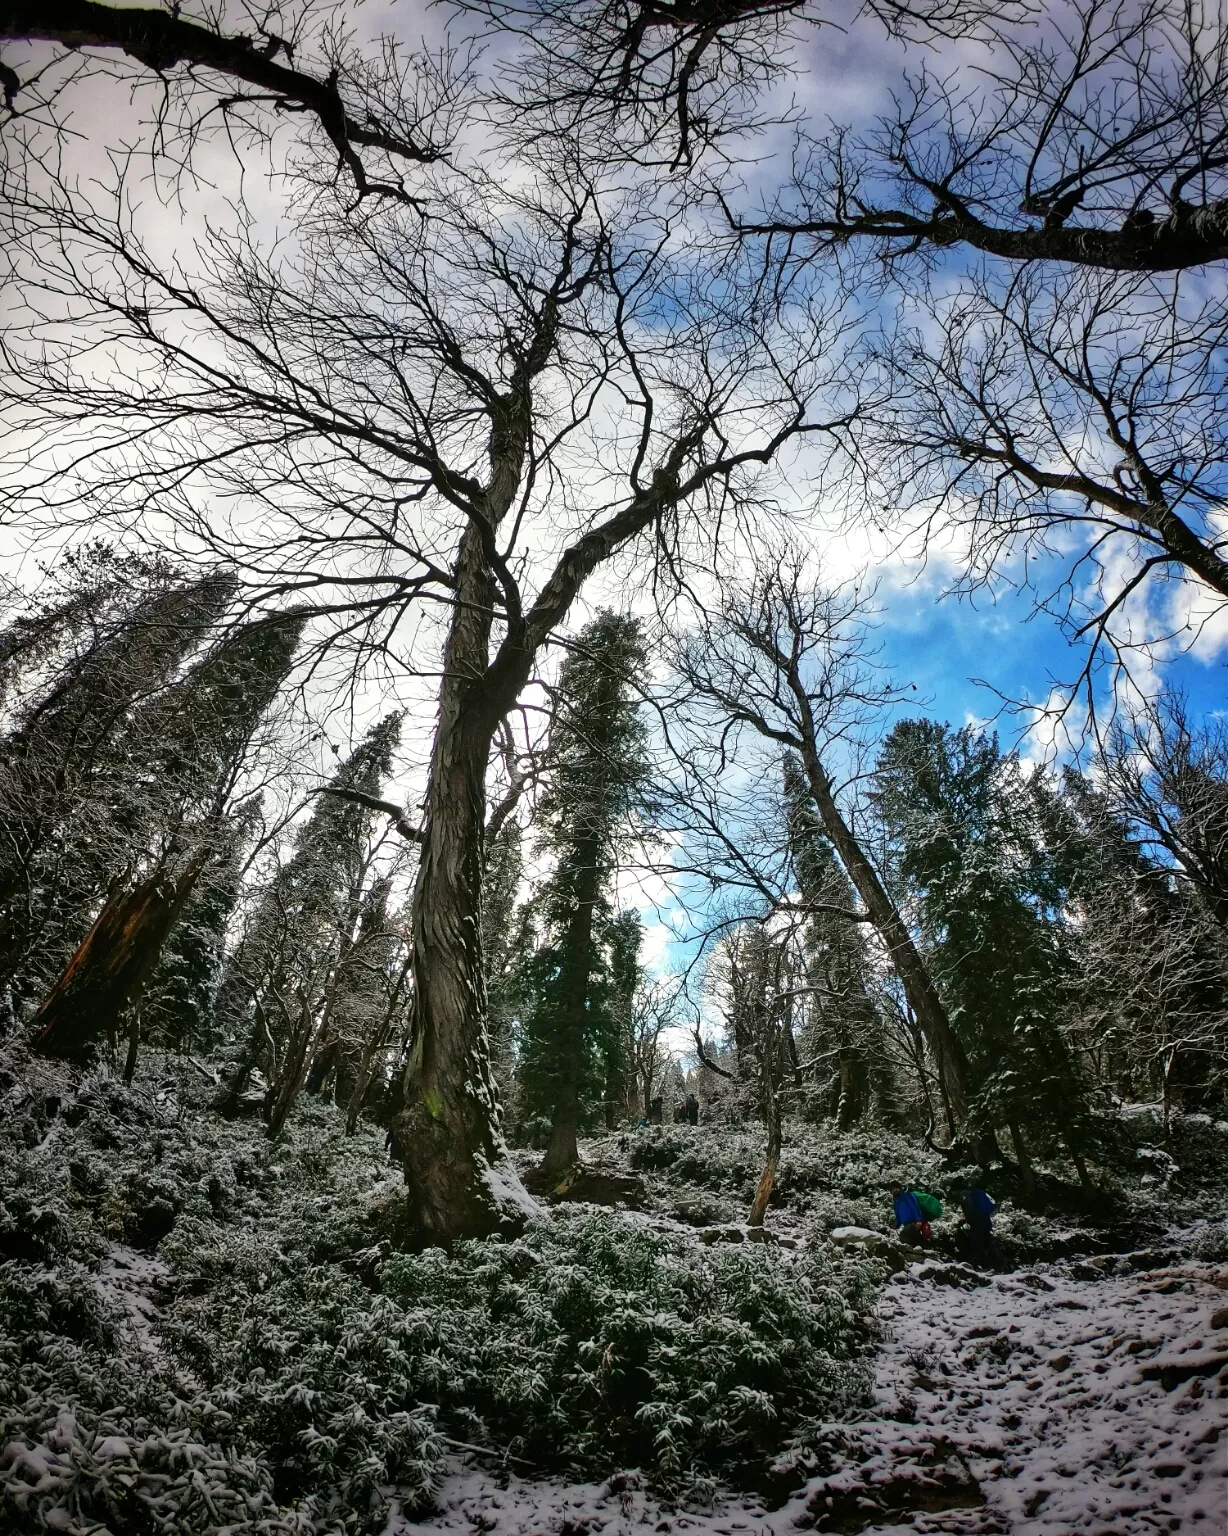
[(854, 1087), (914, 977), (111, 965), (460, 1180)]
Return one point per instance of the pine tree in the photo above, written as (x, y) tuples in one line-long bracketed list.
[(275, 981), (596, 773), (962, 822), (112, 643)]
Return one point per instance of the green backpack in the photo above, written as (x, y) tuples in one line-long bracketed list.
[(930, 1204)]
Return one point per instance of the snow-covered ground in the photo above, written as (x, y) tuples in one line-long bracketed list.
[(1087, 1397)]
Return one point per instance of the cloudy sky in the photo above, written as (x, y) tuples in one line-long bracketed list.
[(968, 659)]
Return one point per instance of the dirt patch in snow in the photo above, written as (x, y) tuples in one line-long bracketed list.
[(1044, 1403)]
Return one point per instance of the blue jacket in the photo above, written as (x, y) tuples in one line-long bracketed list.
[(907, 1208), (977, 1205)]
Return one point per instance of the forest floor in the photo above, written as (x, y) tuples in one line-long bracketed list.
[(1075, 1397), (203, 1331)]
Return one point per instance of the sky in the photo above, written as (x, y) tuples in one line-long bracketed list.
[(964, 657)]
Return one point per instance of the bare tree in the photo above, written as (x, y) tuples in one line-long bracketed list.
[(788, 660), (1166, 776), (1071, 431), (242, 69), (1094, 133), (463, 416), (662, 82)]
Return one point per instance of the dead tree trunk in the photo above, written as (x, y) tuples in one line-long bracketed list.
[(771, 1161), (111, 965)]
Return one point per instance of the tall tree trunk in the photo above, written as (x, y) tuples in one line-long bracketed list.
[(134, 1045), (459, 1177), (111, 965), (325, 1058), (854, 1085), (1027, 1174), (914, 976)]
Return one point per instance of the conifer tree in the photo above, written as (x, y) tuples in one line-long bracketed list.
[(960, 819), (114, 641), (624, 937), (597, 770), (276, 979)]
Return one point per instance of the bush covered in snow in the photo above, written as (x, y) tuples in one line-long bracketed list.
[(282, 1365)]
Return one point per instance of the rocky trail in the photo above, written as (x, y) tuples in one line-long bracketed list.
[(1087, 1397)]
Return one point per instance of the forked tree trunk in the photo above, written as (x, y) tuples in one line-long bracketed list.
[(296, 1064), (111, 965)]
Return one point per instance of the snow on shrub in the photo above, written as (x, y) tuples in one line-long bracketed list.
[(296, 1373), (594, 1341)]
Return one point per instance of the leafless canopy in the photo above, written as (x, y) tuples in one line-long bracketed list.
[(242, 72), (1095, 135), (1067, 432)]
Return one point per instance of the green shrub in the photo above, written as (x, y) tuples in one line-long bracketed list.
[(296, 1372)]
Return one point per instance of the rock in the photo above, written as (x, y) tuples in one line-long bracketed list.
[(1173, 1372), (1059, 1362), (949, 1274), (722, 1235), (1219, 1318), (594, 1186), (861, 1237)]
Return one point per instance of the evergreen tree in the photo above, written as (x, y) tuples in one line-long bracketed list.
[(114, 641), (963, 829), (597, 770), (624, 937), (276, 980)]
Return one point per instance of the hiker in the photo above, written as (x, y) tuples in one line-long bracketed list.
[(908, 1215), (692, 1109), (978, 1208)]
